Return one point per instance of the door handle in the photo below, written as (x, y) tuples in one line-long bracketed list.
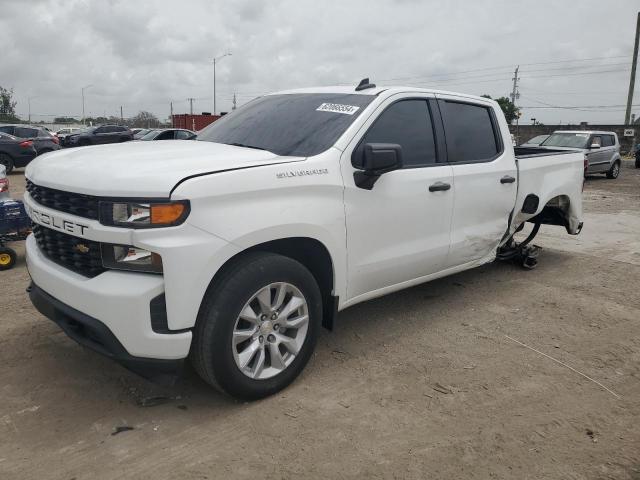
[(507, 179), (439, 187)]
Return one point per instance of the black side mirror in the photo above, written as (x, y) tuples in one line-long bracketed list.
[(376, 159)]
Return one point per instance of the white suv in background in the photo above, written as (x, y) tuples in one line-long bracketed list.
[(601, 149)]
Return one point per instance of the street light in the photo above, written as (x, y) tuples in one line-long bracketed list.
[(83, 89), (29, 101), (228, 54)]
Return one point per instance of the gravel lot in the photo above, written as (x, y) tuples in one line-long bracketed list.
[(426, 383)]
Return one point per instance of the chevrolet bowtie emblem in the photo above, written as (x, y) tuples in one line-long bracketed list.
[(81, 248)]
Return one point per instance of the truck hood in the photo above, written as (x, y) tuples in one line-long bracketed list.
[(141, 169)]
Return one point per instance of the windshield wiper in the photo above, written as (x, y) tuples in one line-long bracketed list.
[(246, 146)]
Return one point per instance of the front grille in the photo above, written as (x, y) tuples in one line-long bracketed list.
[(75, 203), (77, 254)]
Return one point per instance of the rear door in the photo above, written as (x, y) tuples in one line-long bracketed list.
[(484, 177), (101, 135), (398, 231)]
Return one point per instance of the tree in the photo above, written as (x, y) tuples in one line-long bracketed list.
[(7, 106), (145, 120), (511, 112), (65, 120)]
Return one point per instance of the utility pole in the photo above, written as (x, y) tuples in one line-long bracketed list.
[(234, 100), (121, 117), (191, 105), (632, 80), (171, 112), (515, 94), (29, 100)]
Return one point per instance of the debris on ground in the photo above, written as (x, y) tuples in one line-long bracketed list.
[(153, 401), (438, 387), (120, 429)]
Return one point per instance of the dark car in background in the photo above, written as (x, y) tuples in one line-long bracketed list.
[(99, 135), (15, 152), (168, 134), (64, 132), (43, 140)]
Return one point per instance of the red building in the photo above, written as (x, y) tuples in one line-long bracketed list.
[(193, 122)]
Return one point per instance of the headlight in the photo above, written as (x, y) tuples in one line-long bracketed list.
[(125, 257), (143, 215)]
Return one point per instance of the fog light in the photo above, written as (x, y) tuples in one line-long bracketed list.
[(127, 257)]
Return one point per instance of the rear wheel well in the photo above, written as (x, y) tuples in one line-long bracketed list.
[(309, 252), (555, 212)]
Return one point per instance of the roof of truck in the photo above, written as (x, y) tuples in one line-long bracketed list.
[(351, 90)]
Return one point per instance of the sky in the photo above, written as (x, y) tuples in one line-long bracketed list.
[(574, 56)]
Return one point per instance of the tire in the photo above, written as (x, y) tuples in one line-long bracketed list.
[(7, 162), (8, 258), (614, 171), (215, 355)]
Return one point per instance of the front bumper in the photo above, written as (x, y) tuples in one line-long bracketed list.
[(121, 301), (94, 334)]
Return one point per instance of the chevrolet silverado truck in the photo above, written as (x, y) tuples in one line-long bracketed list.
[(234, 250)]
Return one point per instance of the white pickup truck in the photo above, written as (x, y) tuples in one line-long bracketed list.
[(235, 249)]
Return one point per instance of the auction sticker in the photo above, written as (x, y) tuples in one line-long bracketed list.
[(337, 108)]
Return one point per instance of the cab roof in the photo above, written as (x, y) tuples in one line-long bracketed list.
[(374, 91)]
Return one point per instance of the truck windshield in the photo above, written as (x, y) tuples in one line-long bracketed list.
[(573, 140), (290, 124)]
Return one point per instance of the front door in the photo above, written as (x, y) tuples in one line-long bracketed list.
[(399, 230)]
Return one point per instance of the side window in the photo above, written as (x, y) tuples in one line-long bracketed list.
[(608, 141), (119, 129), (165, 135), (408, 124), (597, 140), (7, 129), (182, 134), (23, 132), (470, 133), (44, 133), (100, 130)]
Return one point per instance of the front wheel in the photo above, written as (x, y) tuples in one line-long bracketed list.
[(257, 326), (614, 171)]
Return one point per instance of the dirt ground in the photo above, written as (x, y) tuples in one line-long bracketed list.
[(430, 382)]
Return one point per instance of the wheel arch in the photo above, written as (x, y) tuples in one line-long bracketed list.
[(311, 253), (556, 211)]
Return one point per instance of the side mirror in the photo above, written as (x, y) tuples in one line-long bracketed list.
[(376, 159), (594, 146)]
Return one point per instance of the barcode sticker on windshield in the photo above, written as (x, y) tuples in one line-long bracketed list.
[(337, 108)]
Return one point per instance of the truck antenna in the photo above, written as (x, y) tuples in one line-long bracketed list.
[(364, 84)]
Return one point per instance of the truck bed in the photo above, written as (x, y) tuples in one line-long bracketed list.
[(553, 181)]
